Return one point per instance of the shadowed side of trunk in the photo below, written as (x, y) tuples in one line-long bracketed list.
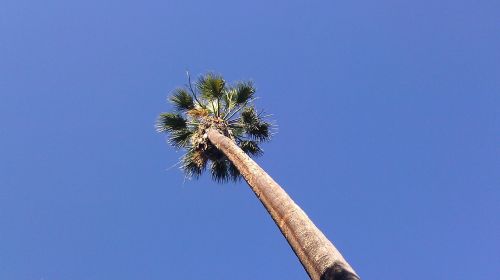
[(320, 258)]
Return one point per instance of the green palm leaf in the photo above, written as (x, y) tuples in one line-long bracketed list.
[(182, 100), (250, 147), (169, 122), (211, 86), (260, 132), (253, 125), (233, 172), (220, 171), (249, 116), (181, 138), (244, 92)]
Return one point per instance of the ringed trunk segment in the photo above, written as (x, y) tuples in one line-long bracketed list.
[(320, 258)]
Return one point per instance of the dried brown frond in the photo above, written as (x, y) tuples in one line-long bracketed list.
[(198, 112), (199, 158)]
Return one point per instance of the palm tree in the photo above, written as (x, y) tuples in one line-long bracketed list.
[(218, 126)]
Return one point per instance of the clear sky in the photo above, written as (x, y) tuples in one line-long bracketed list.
[(389, 125)]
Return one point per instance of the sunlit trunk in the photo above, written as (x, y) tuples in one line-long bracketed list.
[(317, 254)]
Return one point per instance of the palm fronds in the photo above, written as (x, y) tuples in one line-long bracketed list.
[(233, 172), (244, 92), (194, 163), (182, 100), (170, 122), (180, 138), (212, 103), (253, 125), (220, 171), (250, 147), (211, 86)]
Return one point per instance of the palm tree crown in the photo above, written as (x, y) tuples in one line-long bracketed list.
[(212, 103)]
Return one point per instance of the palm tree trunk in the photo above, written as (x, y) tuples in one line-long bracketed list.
[(320, 258)]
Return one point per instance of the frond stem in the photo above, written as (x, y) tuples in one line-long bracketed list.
[(190, 86), (218, 106), (237, 110)]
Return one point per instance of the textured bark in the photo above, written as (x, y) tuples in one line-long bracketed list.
[(321, 260)]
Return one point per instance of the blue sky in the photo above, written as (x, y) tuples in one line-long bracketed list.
[(388, 115)]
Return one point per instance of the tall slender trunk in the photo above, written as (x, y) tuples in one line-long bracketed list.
[(320, 258)]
